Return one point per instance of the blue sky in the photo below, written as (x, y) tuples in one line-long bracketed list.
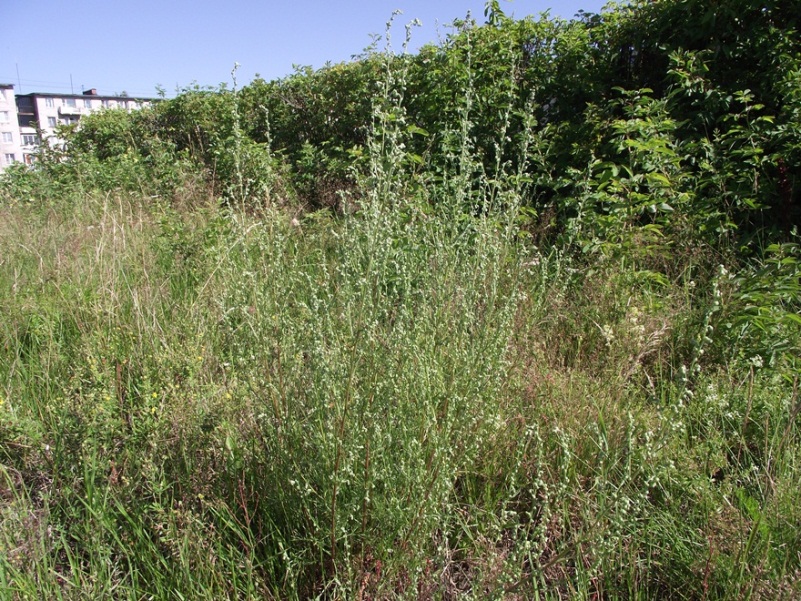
[(137, 45)]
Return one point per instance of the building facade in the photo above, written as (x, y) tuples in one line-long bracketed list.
[(28, 119), (10, 150)]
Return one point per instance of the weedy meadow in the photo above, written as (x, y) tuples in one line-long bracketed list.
[(420, 385)]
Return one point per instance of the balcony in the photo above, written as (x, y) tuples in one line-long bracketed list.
[(72, 111), (29, 141)]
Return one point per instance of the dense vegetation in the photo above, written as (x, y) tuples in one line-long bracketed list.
[(514, 317)]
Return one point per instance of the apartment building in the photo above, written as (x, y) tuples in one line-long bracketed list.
[(10, 150), (31, 118)]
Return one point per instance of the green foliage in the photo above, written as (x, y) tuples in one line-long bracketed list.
[(762, 319)]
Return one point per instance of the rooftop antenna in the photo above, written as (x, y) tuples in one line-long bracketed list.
[(72, 90), (19, 81)]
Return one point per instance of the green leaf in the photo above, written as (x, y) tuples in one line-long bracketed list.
[(793, 317), (659, 178)]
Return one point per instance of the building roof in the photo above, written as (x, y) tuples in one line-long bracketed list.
[(84, 95)]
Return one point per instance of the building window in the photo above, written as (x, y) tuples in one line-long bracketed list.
[(49, 103), (29, 159), (70, 102), (51, 122), (10, 158), (8, 138), (4, 117), (106, 104), (30, 139), (87, 103)]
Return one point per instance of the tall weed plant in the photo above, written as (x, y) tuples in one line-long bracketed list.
[(372, 352)]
